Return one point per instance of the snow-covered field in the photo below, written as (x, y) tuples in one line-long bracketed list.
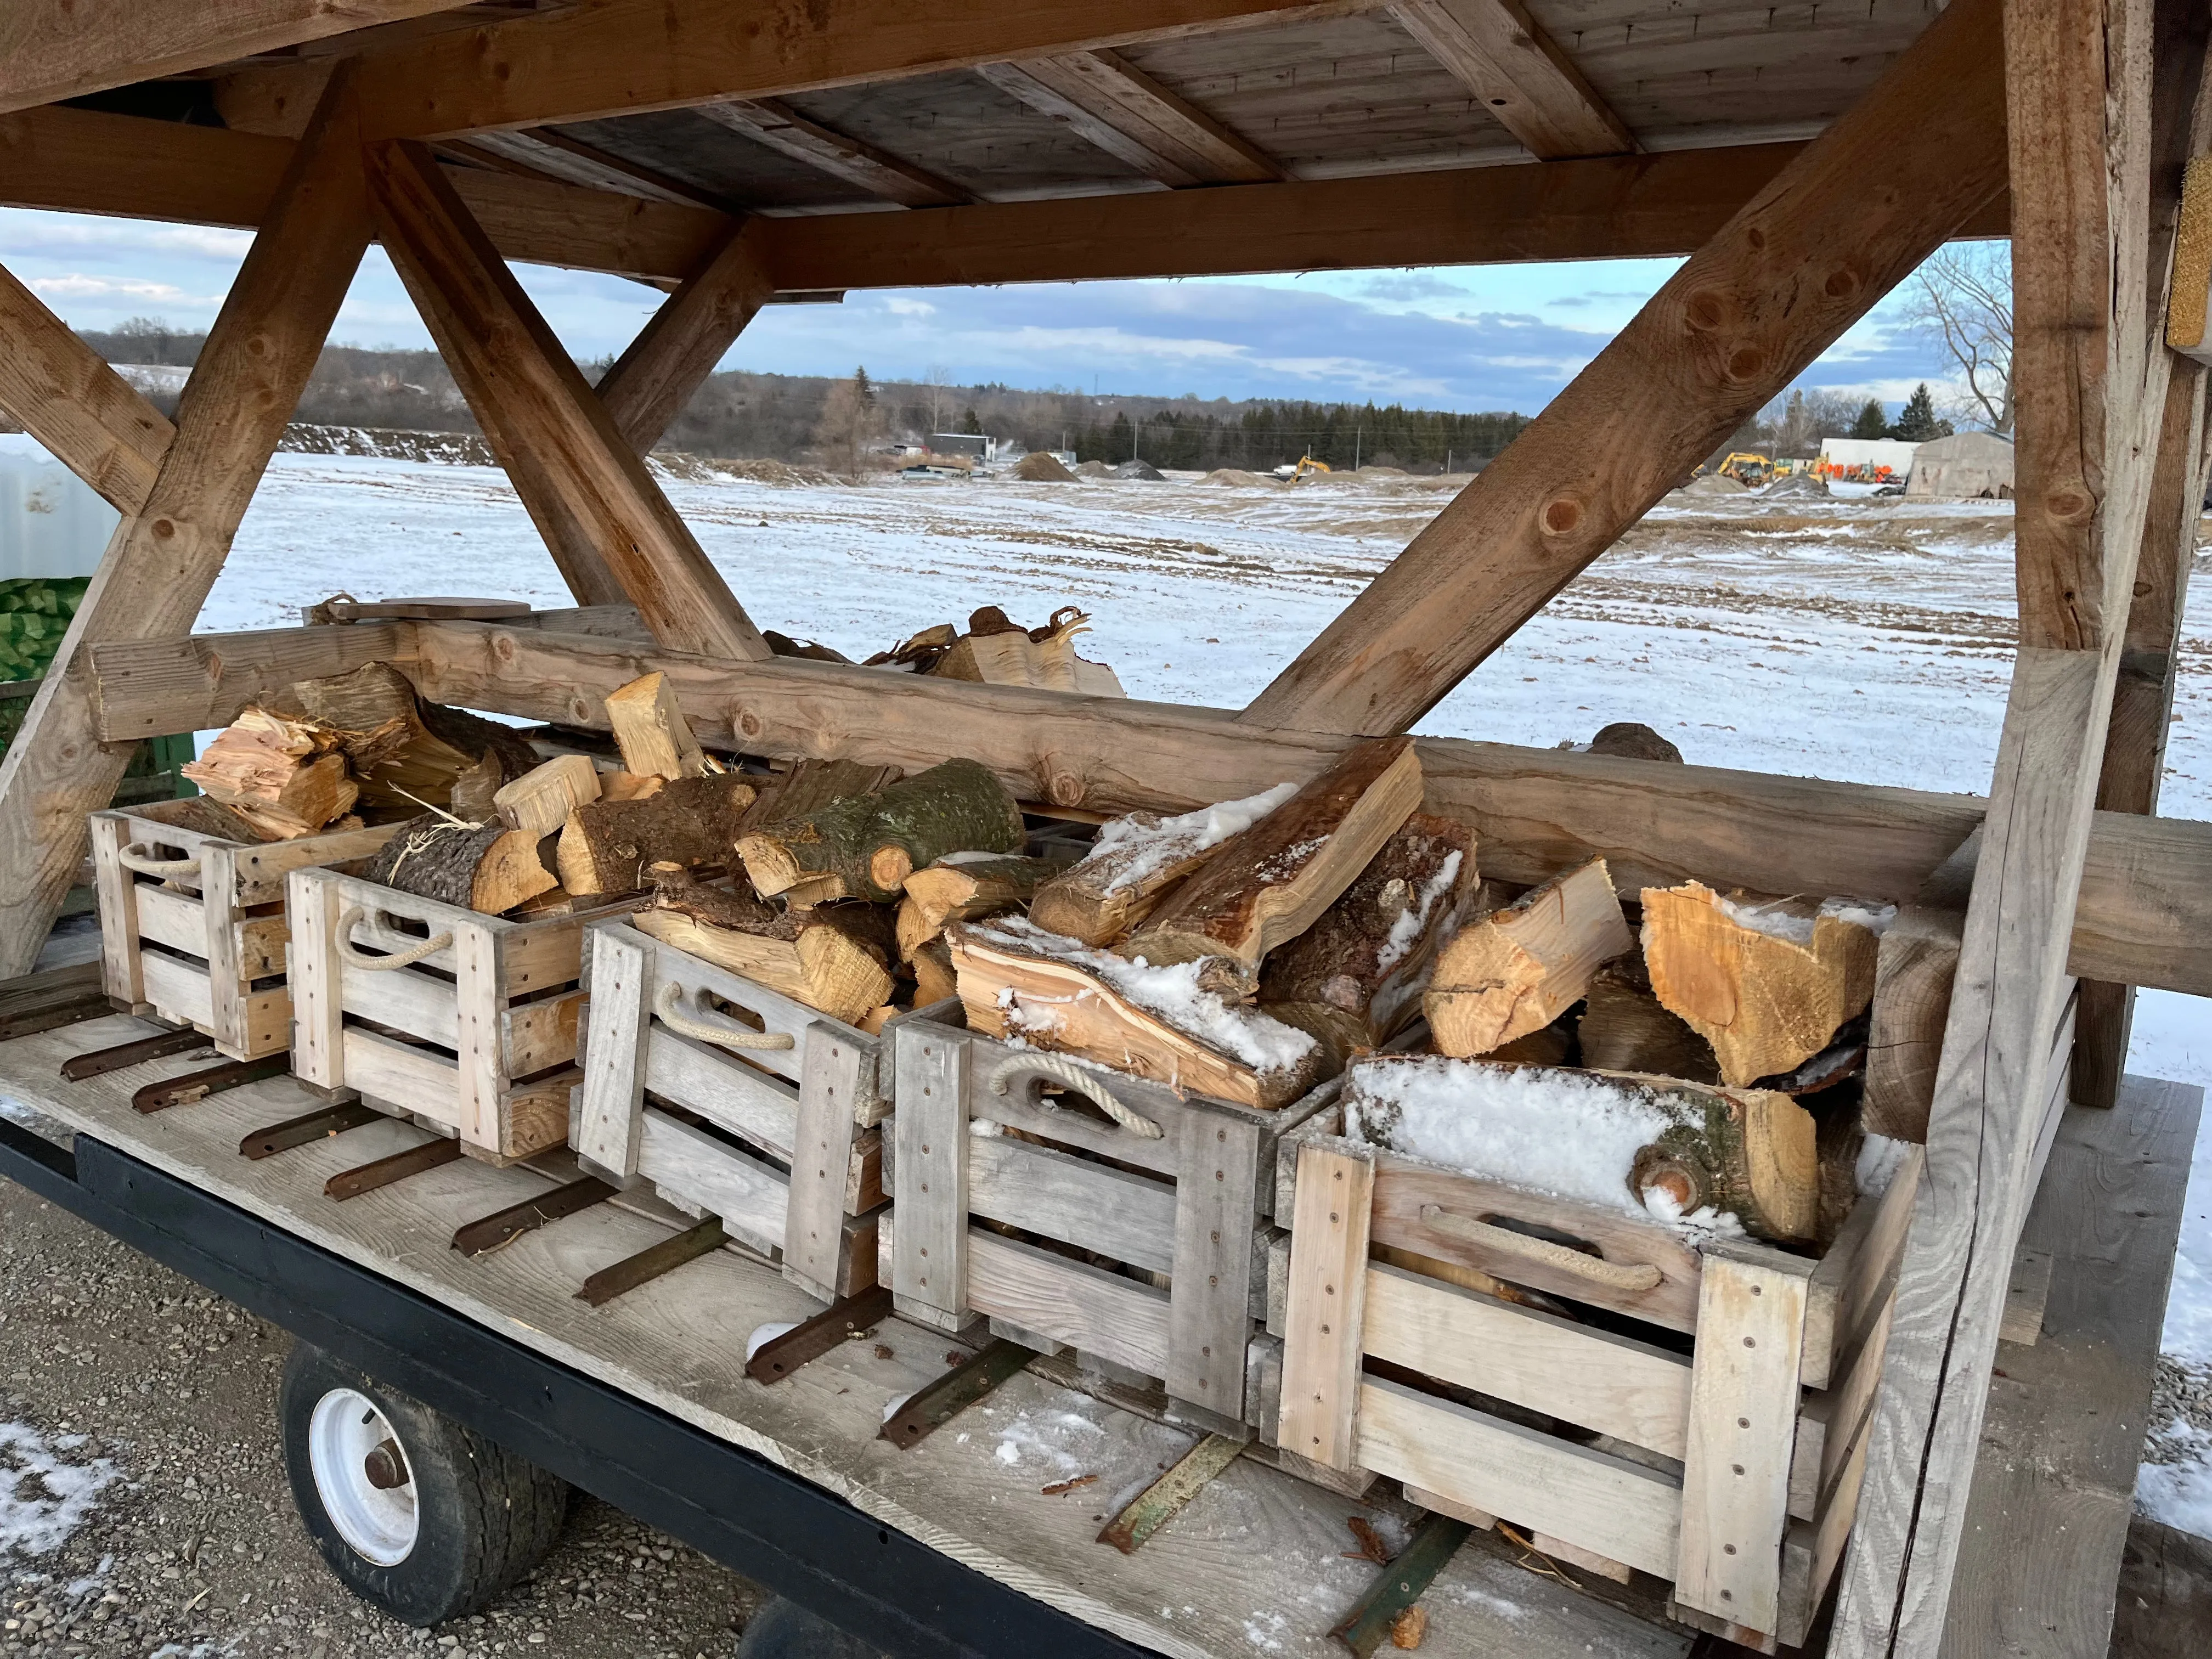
[(1869, 640)]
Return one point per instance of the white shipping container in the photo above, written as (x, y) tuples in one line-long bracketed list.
[(52, 522)]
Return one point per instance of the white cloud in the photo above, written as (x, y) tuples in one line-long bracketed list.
[(78, 286), (899, 306)]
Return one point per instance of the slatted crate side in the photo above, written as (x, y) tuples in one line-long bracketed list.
[(816, 1107), (1189, 1205), (476, 1036), (216, 904)]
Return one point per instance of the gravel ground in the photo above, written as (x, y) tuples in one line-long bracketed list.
[(144, 1510)]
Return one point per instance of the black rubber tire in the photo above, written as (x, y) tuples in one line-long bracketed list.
[(486, 1516), (784, 1630)]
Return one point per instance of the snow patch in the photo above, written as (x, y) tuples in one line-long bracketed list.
[(892, 1405), (1142, 845), (765, 1334), (2179, 1494), (1414, 919), (1773, 918), (1879, 1158), (43, 1498)]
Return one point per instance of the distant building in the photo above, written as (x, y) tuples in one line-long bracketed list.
[(1864, 460), (1969, 466), (973, 446)]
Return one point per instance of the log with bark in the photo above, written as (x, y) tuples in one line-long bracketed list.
[(437, 746), (651, 731), (1651, 1147), (489, 868), (541, 799), (811, 785), (288, 778), (997, 651), (1134, 863), (1268, 884), (964, 888), (1166, 1023), (866, 845), (1518, 970), (1354, 979), (1766, 981), (1913, 971), (607, 845), (834, 957), (1624, 1028)]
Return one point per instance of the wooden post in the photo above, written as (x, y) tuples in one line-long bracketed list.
[(555, 436), (1804, 259), (161, 562), (92, 419), (2093, 384)]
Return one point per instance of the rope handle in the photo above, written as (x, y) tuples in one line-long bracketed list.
[(414, 951), (1081, 1078), (728, 1033), (140, 856), (1614, 1275)]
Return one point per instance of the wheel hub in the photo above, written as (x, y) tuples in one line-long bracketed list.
[(363, 1477)]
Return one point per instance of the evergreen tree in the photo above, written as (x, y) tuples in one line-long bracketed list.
[(970, 424), (1871, 422), (1917, 423)]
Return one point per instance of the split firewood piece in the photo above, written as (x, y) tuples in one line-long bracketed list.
[(541, 799), (1169, 1023), (1273, 881), (435, 746), (1354, 978), (783, 645), (964, 888), (607, 844), (1136, 860), (1657, 1148), (866, 845), (1766, 981), (812, 784), (651, 731), (288, 778), (1519, 968), (997, 651), (629, 785), (491, 867), (834, 958), (934, 980), (1913, 971), (1624, 1028), (1842, 1137)]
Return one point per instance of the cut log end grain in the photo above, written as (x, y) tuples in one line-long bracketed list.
[(489, 868), (286, 778), (966, 889), (1518, 970), (541, 799), (607, 846), (1766, 982), (835, 960)]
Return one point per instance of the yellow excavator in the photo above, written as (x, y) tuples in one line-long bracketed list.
[(1748, 469), (1306, 467)]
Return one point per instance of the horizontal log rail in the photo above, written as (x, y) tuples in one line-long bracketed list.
[(2145, 915)]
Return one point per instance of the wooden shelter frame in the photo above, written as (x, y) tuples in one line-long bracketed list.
[(2069, 121)]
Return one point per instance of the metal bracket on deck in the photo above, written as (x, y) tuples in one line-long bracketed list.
[(935, 1404), (198, 1085), (1161, 1501), (433, 1154), (1400, 1585), (98, 1062), (318, 1125), (502, 1227), (775, 1360), (649, 1263)]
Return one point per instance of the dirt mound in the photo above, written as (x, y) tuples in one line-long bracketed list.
[(1230, 477), (452, 448), (1381, 472), (1040, 467), (780, 475), (1142, 472), (1794, 484), (1094, 469), (1713, 484)]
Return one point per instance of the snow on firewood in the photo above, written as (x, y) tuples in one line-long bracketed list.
[(1138, 846)]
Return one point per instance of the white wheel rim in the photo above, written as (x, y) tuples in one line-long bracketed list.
[(378, 1523)]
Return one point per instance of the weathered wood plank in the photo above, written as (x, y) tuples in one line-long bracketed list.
[(611, 1104), (821, 1160), (1216, 1191), (1089, 1309), (930, 1249), (1525, 82), (60, 392), (1325, 1315), (1094, 1206)]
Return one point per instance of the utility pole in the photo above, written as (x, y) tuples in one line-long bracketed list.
[(1355, 448)]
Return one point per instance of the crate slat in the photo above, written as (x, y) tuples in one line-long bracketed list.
[(1215, 1199), (1089, 1309), (1091, 1206)]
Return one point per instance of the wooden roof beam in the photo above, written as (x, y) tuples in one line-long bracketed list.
[(62, 394), (1810, 254), (1105, 99), (784, 130), (558, 156), (1523, 79), (51, 49)]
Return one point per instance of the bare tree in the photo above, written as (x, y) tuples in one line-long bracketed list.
[(851, 422), (937, 378), (1962, 299)]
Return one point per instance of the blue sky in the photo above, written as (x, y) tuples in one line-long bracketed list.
[(1467, 337)]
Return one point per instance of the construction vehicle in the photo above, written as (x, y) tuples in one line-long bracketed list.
[(1748, 469), (1306, 468)]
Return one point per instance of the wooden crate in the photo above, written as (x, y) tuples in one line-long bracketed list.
[(1191, 1205), (1732, 1470), (817, 1108), (216, 910), (476, 1036)]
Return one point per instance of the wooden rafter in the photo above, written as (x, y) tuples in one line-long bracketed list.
[(1117, 107), (784, 130), (558, 156), (1812, 253), (544, 422), (1522, 76), (61, 391), (51, 49), (2083, 127), (163, 559)]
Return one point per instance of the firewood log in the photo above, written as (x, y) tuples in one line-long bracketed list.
[(491, 868), (1354, 978), (288, 778), (1165, 1023), (811, 785), (866, 845), (541, 799), (629, 785), (1624, 1028), (934, 979), (1136, 861), (998, 652), (439, 745), (1272, 882), (1767, 982), (607, 844), (651, 731), (1914, 968), (964, 887), (1634, 741), (834, 957), (1648, 1145), (1518, 970)]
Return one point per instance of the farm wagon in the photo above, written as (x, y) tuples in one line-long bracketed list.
[(1802, 161)]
